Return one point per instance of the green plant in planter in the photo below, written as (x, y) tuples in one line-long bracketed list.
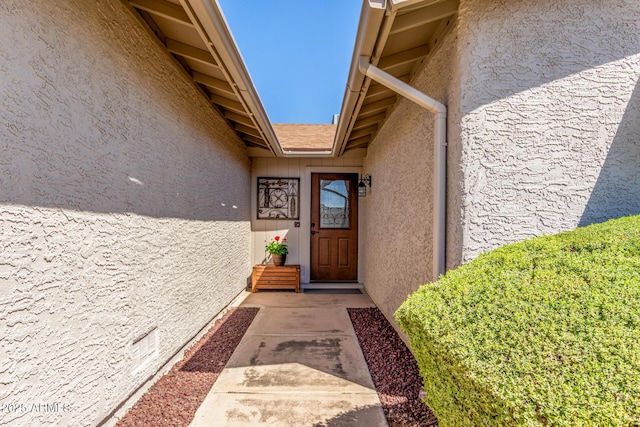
[(277, 247)]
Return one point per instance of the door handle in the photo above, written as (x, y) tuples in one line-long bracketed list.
[(314, 231)]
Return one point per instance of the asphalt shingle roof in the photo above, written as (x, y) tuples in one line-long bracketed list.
[(303, 137)]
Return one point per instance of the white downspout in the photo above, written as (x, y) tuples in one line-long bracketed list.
[(439, 152)]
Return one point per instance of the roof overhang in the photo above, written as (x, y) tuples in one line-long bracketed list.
[(396, 36), (195, 35)]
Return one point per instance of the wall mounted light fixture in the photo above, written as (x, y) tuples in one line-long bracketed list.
[(362, 185)]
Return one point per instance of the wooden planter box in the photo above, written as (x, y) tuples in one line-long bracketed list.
[(275, 277)]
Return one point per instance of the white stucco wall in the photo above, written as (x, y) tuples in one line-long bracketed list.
[(124, 208), (398, 213), (551, 117)]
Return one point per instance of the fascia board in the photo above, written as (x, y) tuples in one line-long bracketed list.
[(371, 17), (213, 22)]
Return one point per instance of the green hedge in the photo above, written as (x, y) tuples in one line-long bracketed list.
[(541, 332)]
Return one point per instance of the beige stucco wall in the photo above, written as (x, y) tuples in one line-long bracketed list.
[(551, 117), (543, 133), (398, 213), (124, 208)]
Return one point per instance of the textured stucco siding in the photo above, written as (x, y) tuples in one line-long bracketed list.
[(550, 132), (397, 228), (124, 208)]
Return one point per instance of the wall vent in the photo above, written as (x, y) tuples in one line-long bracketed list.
[(145, 349)]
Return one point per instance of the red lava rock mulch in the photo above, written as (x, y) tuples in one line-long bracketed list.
[(393, 369), (175, 398)]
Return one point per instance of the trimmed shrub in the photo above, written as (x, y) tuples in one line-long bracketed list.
[(541, 332)]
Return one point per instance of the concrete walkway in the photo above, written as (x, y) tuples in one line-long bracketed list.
[(299, 364)]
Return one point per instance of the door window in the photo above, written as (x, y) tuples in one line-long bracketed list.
[(334, 203)]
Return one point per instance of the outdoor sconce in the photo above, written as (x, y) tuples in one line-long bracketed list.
[(362, 185)]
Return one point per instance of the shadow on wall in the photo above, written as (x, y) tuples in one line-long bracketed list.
[(617, 190), (196, 178), (195, 196)]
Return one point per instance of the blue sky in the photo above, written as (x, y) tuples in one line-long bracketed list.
[(297, 52)]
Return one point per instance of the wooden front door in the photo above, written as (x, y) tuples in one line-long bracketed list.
[(334, 227)]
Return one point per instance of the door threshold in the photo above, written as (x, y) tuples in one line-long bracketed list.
[(332, 285)]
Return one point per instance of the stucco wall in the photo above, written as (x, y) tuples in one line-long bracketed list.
[(550, 130), (398, 213), (124, 208)]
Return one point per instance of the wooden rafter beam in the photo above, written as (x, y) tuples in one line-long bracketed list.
[(402, 58), (249, 130), (255, 141), (227, 103), (368, 121), (213, 83), (376, 107), (190, 52), (152, 27), (238, 118), (370, 130), (377, 89), (164, 9), (357, 143), (424, 16)]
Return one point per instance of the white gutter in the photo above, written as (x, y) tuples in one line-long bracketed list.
[(214, 24), (439, 152), (371, 17), (294, 153)]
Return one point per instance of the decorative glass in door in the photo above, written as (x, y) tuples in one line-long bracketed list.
[(334, 203)]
